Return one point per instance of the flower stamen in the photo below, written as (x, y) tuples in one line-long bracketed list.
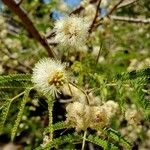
[(57, 80)]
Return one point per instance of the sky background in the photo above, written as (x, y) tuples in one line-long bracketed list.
[(69, 2)]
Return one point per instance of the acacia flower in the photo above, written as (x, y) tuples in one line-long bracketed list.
[(82, 116), (49, 76), (78, 115), (71, 31)]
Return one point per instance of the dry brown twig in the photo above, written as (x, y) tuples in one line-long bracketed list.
[(99, 22), (115, 7), (120, 4), (95, 17), (13, 6), (80, 8), (126, 3), (19, 3), (129, 19)]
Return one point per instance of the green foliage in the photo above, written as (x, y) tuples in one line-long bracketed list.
[(105, 144), (144, 73), (70, 138), (117, 137), (15, 81), (15, 77), (60, 125), (20, 113), (3, 115), (57, 126), (3, 95), (50, 116), (137, 80), (140, 97)]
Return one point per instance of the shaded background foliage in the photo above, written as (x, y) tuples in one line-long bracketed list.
[(126, 47)]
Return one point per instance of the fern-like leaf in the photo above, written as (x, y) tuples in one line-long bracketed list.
[(15, 77), (105, 144), (144, 73), (20, 113), (116, 136), (15, 81), (14, 84), (60, 125), (57, 126), (3, 95), (4, 113), (140, 99), (61, 140)]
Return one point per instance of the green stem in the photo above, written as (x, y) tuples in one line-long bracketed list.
[(50, 109), (84, 139)]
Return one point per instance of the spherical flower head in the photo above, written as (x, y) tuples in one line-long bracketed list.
[(99, 117), (71, 31), (49, 76), (133, 116), (111, 108), (82, 116), (78, 115)]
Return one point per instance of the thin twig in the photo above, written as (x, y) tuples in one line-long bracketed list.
[(13, 6), (77, 10), (115, 7), (109, 13), (70, 89), (127, 3), (84, 92), (12, 99), (96, 15), (84, 139), (131, 20), (17, 96), (100, 49), (19, 3), (80, 8)]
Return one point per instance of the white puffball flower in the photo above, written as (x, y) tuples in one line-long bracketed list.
[(99, 117), (71, 31), (49, 76), (133, 116), (111, 108)]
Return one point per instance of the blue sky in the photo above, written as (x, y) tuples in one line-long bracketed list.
[(72, 2), (69, 2)]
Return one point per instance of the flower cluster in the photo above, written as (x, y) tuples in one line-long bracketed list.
[(131, 132), (134, 127), (71, 31), (49, 76), (133, 116), (139, 64), (83, 115)]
